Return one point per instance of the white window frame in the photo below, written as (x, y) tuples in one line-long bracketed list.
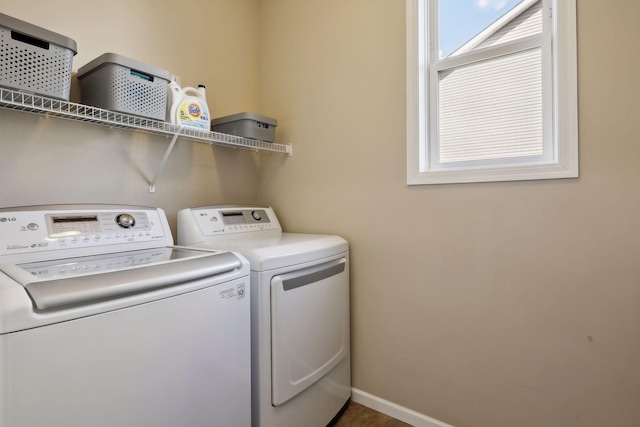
[(560, 101)]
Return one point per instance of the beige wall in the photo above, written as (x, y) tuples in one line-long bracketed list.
[(56, 161), (472, 303)]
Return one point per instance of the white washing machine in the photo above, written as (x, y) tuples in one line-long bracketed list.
[(104, 323), (300, 331)]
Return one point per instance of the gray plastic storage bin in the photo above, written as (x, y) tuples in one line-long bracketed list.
[(35, 60), (117, 83), (246, 125)]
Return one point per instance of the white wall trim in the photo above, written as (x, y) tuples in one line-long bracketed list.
[(398, 412)]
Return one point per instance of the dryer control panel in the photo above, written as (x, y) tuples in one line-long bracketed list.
[(222, 220), (39, 229)]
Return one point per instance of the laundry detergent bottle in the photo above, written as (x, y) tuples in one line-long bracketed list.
[(188, 106)]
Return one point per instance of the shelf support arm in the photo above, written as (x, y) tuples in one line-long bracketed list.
[(152, 186)]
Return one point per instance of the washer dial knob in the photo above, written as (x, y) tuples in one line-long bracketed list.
[(256, 215), (126, 220)]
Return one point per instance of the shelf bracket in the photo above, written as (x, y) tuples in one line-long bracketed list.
[(152, 186)]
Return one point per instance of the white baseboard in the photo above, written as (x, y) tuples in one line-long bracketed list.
[(398, 412)]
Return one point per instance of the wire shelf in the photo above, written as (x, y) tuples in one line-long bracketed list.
[(21, 101)]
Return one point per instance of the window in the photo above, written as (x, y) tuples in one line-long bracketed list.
[(491, 90)]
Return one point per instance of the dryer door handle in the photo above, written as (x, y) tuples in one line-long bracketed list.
[(311, 275)]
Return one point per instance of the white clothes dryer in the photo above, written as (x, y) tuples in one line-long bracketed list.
[(103, 322), (300, 333)]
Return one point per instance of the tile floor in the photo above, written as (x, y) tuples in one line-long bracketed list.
[(357, 415)]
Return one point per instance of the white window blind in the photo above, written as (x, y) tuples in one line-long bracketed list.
[(491, 109)]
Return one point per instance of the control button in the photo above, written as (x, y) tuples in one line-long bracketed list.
[(125, 220), (32, 226), (256, 215)]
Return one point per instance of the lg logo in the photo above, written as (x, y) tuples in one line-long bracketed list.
[(4, 219)]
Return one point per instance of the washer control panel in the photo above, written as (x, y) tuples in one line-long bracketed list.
[(27, 231), (214, 220)]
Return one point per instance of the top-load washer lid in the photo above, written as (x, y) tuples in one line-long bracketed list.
[(80, 280), (63, 262)]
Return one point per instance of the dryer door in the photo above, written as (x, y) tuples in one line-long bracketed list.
[(309, 326)]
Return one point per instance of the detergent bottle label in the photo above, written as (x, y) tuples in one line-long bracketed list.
[(191, 113)]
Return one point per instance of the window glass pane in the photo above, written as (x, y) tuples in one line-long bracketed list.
[(465, 25), (491, 109)]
